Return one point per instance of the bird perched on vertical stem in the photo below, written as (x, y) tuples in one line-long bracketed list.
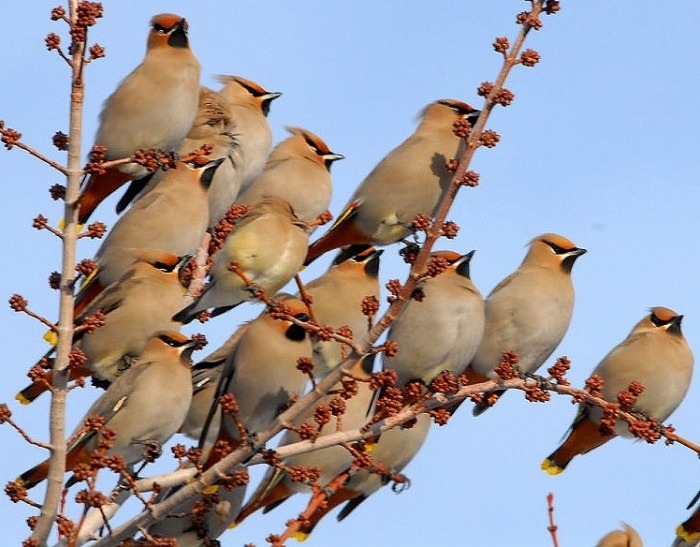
[(134, 308), (267, 246), (656, 355), (152, 108), (298, 170), (529, 311), (144, 407), (409, 181), (337, 302), (441, 331), (261, 372)]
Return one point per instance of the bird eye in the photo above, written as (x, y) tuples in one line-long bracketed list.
[(658, 321), (171, 341), (160, 29), (557, 249), (163, 267)]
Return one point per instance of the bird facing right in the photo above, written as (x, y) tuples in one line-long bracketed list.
[(299, 171), (441, 331), (410, 180), (529, 311), (268, 246), (144, 407), (153, 107), (656, 355)]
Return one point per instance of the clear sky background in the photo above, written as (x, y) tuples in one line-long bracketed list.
[(600, 145)]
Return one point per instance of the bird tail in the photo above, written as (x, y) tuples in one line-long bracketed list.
[(30, 393), (584, 436), (268, 495), (342, 233), (32, 477), (339, 496), (188, 313), (96, 189)]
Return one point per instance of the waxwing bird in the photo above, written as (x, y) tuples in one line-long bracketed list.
[(656, 355), (621, 538), (234, 123), (215, 513), (212, 516), (529, 311), (337, 301), (395, 449), (442, 331), (144, 406), (173, 217), (153, 107), (213, 126), (268, 245), (249, 105), (277, 486), (409, 181), (134, 308), (261, 372), (298, 170)]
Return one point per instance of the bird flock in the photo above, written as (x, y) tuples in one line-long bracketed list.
[(137, 299)]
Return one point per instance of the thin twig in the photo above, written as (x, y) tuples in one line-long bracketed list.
[(25, 436), (552, 528)]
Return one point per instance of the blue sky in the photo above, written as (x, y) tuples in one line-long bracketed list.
[(600, 145)]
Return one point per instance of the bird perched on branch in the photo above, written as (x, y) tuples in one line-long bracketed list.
[(172, 217), (249, 104), (529, 312), (267, 248), (152, 108), (132, 309), (656, 355), (144, 407), (277, 486), (395, 449), (441, 331), (261, 372), (298, 170), (409, 181), (233, 121), (337, 298)]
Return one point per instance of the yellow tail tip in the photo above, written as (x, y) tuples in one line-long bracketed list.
[(550, 467), (51, 337), (233, 525), (92, 275), (369, 447), (209, 490), (62, 225), (686, 536), (19, 481), (300, 536), (22, 400)]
